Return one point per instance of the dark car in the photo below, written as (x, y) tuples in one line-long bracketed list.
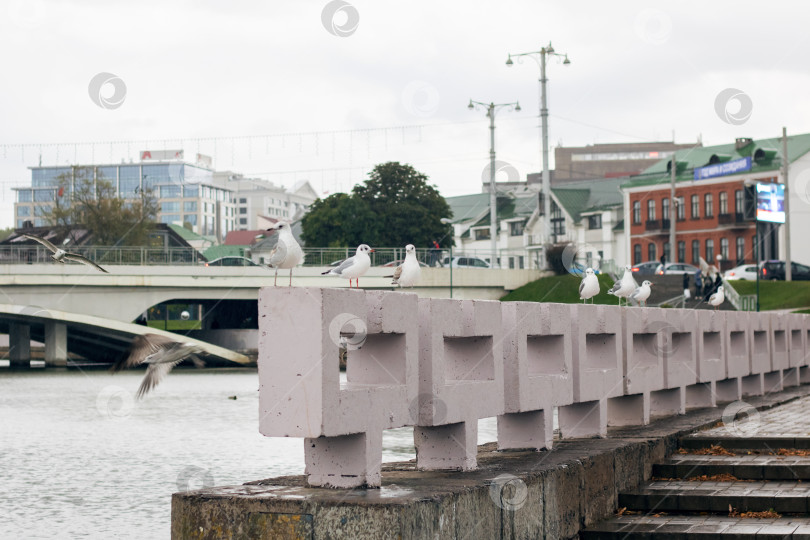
[(775, 270), (646, 268)]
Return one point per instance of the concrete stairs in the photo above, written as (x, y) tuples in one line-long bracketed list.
[(667, 287), (706, 489)]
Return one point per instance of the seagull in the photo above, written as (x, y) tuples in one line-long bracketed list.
[(717, 298), (625, 286), (60, 255), (641, 294), (589, 286), (161, 354), (407, 273), (287, 253), (353, 267)]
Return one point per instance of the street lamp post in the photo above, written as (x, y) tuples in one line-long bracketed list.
[(540, 58), (492, 108)]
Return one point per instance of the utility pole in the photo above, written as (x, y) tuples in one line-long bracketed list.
[(673, 210), (785, 165)]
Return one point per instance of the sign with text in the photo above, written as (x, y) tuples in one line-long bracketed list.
[(771, 202), (161, 155), (722, 169)]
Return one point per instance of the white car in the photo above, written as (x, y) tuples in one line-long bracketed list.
[(676, 268), (466, 262), (744, 272)]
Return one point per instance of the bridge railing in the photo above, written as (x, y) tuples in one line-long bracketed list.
[(440, 365), (105, 255)]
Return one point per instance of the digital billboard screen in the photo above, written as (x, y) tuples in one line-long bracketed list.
[(771, 202)]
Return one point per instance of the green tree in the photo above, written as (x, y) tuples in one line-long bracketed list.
[(95, 205), (394, 207)]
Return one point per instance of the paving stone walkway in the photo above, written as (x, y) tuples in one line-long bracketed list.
[(746, 478)]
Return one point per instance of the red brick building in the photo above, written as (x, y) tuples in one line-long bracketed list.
[(709, 212)]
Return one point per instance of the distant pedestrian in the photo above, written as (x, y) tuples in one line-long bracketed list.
[(685, 281), (698, 284), (718, 282), (663, 264)]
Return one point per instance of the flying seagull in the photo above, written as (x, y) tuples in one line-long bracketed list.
[(589, 286), (60, 255), (407, 273), (287, 253), (353, 267), (717, 298), (160, 354), (641, 294), (625, 286)]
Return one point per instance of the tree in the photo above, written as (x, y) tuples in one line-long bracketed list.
[(394, 207), (95, 205)]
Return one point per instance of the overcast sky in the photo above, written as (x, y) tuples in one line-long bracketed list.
[(287, 91)]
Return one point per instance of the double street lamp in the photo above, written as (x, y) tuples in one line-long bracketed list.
[(491, 109), (540, 58)]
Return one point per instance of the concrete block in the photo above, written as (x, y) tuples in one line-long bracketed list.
[(597, 352), (761, 340), (772, 382), (537, 372), (752, 385), (633, 410), (711, 345), (55, 344), (780, 336), (728, 390), (804, 374), (668, 402), (460, 366), (790, 377), (738, 344), (587, 419), (797, 339), (701, 395), (300, 391), (680, 348), (19, 344), (644, 341)]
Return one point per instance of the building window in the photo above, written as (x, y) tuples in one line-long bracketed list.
[(242, 221), (44, 195), (681, 251), (595, 221), (169, 207), (243, 210), (724, 248), (190, 206), (695, 251), (680, 208), (515, 228), (557, 220), (667, 252), (740, 250), (24, 195), (24, 211), (172, 191), (651, 255), (651, 210), (242, 201), (482, 234), (695, 207), (710, 251), (636, 253), (169, 218), (708, 210), (739, 201), (191, 191), (665, 209), (191, 219), (723, 202), (637, 213)]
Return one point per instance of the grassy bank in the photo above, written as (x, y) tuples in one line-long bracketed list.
[(174, 325), (777, 294), (560, 289)]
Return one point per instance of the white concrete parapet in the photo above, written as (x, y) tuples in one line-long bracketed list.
[(440, 365)]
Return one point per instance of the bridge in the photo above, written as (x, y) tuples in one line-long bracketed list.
[(95, 337)]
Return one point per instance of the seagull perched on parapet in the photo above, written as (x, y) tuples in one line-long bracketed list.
[(287, 253), (641, 294), (161, 354), (625, 286), (60, 255), (589, 286), (407, 273), (353, 267), (717, 298)]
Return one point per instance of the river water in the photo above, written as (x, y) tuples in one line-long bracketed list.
[(80, 458)]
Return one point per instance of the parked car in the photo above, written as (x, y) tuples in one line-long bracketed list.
[(465, 262), (646, 268), (676, 269), (775, 270), (745, 272), (397, 263), (231, 261)]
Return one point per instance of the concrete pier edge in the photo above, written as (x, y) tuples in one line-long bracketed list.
[(513, 494)]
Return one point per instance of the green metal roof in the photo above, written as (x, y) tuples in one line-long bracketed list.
[(578, 198), (188, 235), (798, 145)]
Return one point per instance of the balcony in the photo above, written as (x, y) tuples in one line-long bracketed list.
[(733, 221), (656, 225), (725, 219)]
